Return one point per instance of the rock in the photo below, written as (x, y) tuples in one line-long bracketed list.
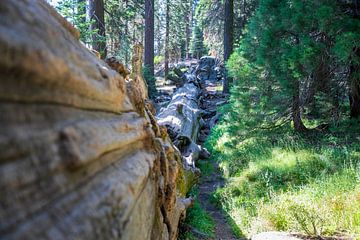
[(78, 160), (213, 121)]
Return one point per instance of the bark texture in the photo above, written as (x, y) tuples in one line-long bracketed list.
[(295, 109), (96, 11), (78, 157), (183, 120), (354, 87), (167, 39), (149, 36), (228, 38)]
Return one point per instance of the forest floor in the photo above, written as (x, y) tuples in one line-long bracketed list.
[(206, 218), (274, 184), (208, 184), (212, 177)]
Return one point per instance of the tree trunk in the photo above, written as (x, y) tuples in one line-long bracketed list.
[(158, 38), (126, 36), (149, 36), (183, 120), (228, 39), (354, 82), (296, 113), (149, 47), (96, 12), (188, 31), (167, 35)]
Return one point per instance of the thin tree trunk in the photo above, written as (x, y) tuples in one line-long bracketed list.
[(126, 35), (335, 112), (96, 11), (149, 36), (167, 35), (188, 31), (158, 38), (228, 39), (296, 112), (354, 83), (149, 47)]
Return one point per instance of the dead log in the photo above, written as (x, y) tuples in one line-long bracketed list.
[(176, 80), (78, 159), (183, 118), (178, 72)]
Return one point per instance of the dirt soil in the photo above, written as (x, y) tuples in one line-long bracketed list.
[(208, 184)]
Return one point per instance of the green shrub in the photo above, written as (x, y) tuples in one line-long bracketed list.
[(158, 59)]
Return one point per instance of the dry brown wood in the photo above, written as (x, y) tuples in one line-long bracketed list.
[(77, 158)]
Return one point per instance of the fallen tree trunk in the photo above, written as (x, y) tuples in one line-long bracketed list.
[(183, 120), (81, 155)]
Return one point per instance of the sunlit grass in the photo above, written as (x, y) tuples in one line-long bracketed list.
[(205, 167), (197, 218), (279, 180)]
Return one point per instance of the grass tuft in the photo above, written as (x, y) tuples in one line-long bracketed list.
[(197, 218), (283, 181)]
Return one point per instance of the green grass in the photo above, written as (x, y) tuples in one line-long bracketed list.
[(205, 167), (197, 218), (279, 180)]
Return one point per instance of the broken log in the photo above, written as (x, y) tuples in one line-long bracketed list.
[(183, 119), (81, 156)]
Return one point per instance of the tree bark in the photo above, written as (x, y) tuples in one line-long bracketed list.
[(149, 47), (296, 113), (228, 39), (183, 118), (96, 12), (149, 36), (126, 35), (354, 87), (167, 35), (188, 31)]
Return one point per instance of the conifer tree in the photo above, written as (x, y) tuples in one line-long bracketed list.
[(228, 38), (149, 47), (97, 15), (197, 44)]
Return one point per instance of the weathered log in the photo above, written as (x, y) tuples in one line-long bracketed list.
[(78, 160), (182, 117), (179, 82), (206, 69)]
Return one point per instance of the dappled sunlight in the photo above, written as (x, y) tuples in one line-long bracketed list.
[(334, 201), (283, 181)]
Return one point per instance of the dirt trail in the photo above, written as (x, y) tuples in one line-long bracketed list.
[(208, 184), (212, 99)]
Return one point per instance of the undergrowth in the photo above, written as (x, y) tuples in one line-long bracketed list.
[(280, 180), (198, 219)]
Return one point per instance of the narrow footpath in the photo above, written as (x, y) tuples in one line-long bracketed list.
[(213, 99), (209, 73)]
